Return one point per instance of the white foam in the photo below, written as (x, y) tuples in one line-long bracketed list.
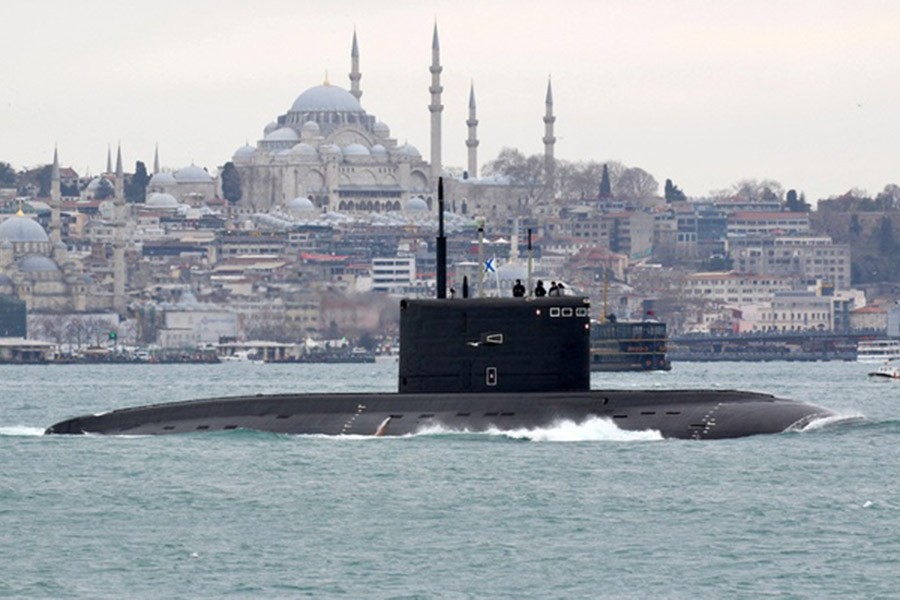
[(594, 429), (21, 431), (823, 422)]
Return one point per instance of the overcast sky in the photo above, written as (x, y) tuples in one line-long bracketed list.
[(703, 92)]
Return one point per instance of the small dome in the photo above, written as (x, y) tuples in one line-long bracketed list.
[(192, 174), (311, 127), (416, 204), (302, 205), (284, 134), (326, 98), (379, 150), (22, 229), (270, 128), (162, 200), (303, 149), (94, 184), (356, 150), (34, 263), (244, 152), (381, 130), (330, 149), (4, 280), (161, 180), (409, 150)]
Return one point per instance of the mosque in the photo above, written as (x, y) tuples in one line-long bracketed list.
[(326, 153), (35, 266)]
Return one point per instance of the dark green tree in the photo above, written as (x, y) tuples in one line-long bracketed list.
[(44, 176), (673, 193), (605, 185), (855, 226), (886, 237), (231, 183), (7, 175), (793, 203), (136, 190), (105, 190)]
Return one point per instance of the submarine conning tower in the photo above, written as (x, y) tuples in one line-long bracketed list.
[(495, 345)]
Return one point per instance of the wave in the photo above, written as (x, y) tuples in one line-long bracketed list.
[(828, 422), (592, 430), (21, 431)]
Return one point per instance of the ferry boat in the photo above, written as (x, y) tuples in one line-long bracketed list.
[(628, 346), (877, 351)]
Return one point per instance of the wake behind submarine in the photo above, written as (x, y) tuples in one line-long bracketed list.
[(474, 364)]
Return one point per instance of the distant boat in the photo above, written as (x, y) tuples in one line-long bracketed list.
[(242, 356), (889, 370), (629, 346), (877, 351)]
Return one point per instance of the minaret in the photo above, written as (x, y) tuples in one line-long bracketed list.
[(55, 201), (472, 142), (119, 239), (156, 159), (549, 140), (435, 107), (109, 160), (355, 75)]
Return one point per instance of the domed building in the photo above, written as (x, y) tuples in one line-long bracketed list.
[(36, 271), (328, 149)]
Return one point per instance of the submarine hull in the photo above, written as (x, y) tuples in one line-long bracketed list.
[(684, 414)]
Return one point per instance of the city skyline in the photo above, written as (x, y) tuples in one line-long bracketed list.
[(703, 94)]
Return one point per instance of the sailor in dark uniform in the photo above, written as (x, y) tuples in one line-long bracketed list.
[(518, 289), (554, 291), (539, 290)]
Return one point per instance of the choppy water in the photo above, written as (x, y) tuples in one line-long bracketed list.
[(589, 512)]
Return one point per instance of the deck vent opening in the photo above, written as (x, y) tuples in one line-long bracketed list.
[(698, 426), (395, 416), (648, 412), (168, 427), (673, 412), (554, 311), (283, 417), (567, 312), (463, 414), (230, 427), (507, 414), (427, 416), (620, 416), (203, 427)]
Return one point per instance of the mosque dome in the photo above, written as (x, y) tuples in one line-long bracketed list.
[(94, 184), (379, 150), (243, 152), (330, 149), (303, 149), (192, 174), (381, 130), (162, 200), (409, 150), (34, 263), (270, 128), (356, 150), (22, 229), (161, 179), (326, 98), (4, 280), (311, 127), (301, 205), (283, 134), (416, 204)]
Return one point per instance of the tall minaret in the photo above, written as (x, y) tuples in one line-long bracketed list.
[(355, 75), (435, 107), (109, 159), (156, 159), (549, 140), (119, 239), (472, 142), (55, 201)]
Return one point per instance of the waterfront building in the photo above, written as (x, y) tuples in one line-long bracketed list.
[(808, 257)]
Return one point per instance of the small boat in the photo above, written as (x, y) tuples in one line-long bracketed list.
[(889, 370), (876, 351)]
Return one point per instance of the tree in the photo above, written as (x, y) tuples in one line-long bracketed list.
[(605, 185), (753, 190), (635, 184), (105, 189), (673, 193), (136, 190), (886, 236), (231, 183), (7, 175), (855, 226), (792, 203), (44, 177), (523, 171)]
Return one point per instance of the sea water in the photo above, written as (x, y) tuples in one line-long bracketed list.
[(566, 512)]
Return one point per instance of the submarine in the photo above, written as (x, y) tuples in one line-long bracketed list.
[(474, 365)]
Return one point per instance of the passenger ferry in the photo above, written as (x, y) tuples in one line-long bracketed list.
[(877, 351), (629, 346)]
